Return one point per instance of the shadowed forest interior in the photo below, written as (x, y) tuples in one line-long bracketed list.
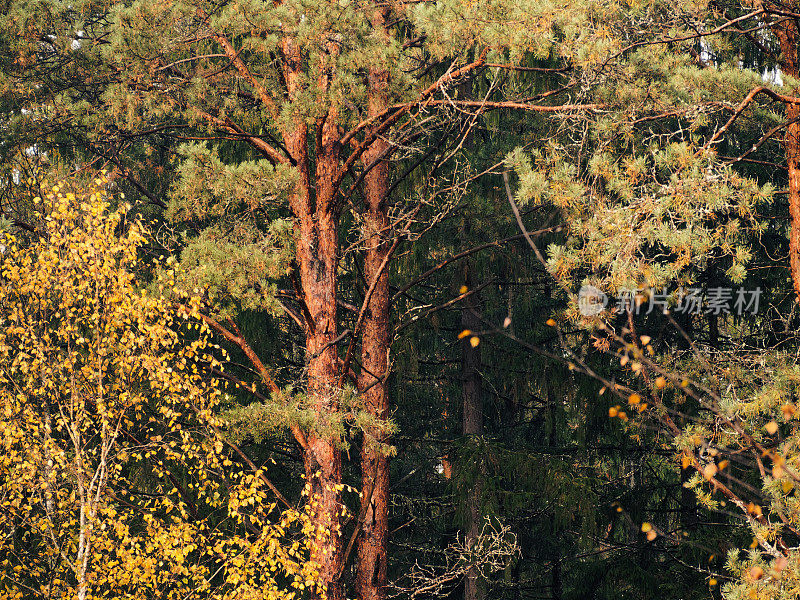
[(414, 299)]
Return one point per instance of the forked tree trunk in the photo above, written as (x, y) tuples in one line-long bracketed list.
[(376, 340), (316, 247)]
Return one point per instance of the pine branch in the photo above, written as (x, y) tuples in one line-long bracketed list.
[(744, 104), (263, 147), (237, 338)]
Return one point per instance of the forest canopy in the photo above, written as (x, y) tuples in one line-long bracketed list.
[(340, 299)]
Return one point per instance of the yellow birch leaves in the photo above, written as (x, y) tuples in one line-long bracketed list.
[(114, 481)]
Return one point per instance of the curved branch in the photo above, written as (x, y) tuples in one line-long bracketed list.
[(270, 153), (744, 104), (237, 338)]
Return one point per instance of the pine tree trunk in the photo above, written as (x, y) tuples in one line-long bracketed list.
[(316, 248), (375, 344), (787, 34), (373, 542), (472, 420), (556, 580)]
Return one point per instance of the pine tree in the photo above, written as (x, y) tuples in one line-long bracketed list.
[(261, 126)]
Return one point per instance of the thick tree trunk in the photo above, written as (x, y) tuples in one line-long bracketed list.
[(322, 456), (472, 420), (372, 549), (792, 146), (375, 344), (787, 33), (316, 253), (316, 249)]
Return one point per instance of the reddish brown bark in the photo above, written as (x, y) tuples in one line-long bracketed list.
[(375, 344), (314, 206), (787, 34), (373, 542), (316, 251)]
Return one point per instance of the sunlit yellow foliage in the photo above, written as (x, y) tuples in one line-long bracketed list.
[(113, 478)]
